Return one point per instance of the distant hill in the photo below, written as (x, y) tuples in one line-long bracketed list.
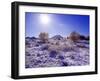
[(30, 37), (57, 37)]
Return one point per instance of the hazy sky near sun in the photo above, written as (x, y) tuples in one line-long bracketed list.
[(55, 24)]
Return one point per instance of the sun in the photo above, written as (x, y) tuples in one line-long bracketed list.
[(45, 19)]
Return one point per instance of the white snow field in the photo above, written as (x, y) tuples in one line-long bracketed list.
[(57, 52)]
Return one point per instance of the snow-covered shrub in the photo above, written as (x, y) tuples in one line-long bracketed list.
[(64, 64), (43, 36), (67, 46), (54, 47), (27, 54), (53, 54), (74, 36), (81, 46), (62, 47), (28, 44), (61, 57), (87, 37), (82, 37), (44, 47)]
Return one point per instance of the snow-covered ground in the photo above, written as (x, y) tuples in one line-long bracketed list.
[(57, 52)]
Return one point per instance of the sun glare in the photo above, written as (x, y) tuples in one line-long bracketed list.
[(45, 19)]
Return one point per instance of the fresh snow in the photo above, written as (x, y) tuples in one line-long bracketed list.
[(58, 52)]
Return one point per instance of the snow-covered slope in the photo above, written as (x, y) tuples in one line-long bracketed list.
[(57, 52)]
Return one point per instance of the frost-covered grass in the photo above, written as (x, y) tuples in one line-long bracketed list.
[(56, 53)]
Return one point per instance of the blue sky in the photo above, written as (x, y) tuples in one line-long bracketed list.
[(55, 24)]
